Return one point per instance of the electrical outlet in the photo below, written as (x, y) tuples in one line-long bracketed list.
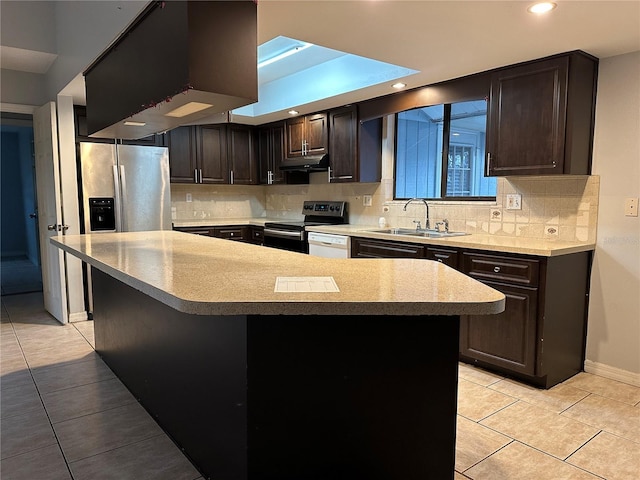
[(631, 207), (514, 201), (189, 198), (367, 200)]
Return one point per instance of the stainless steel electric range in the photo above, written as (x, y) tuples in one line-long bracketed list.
[(291, 235)]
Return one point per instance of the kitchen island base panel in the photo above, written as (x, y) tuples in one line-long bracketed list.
[(288, 397)]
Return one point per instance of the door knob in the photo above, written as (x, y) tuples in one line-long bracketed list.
[(52, 227), (33, 215)]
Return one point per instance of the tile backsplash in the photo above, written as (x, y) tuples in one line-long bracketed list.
[(552, 207)]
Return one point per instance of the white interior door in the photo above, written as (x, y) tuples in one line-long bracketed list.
[(45, 135)]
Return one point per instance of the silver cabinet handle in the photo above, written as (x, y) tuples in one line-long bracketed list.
[(200, 170), (496, 269), (488, 166), (195, 175), (231, 176)]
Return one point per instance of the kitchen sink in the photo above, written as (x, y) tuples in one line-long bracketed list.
[(418, 233)]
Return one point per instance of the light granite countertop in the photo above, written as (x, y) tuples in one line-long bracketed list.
[(211, 276), (495, 243)]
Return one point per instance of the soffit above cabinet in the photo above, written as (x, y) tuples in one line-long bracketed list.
[(175, 54)]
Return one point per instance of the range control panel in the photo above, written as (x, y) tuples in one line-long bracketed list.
[(324, 208)]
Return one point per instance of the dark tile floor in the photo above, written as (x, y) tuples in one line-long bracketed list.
[(64, 415)]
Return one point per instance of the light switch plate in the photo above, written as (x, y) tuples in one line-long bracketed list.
[(367, 200), (514, 201), (631, 207), (189, 198)]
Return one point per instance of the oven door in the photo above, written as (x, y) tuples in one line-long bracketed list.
[(292, 240)]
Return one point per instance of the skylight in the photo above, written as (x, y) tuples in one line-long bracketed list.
[(292, 73)]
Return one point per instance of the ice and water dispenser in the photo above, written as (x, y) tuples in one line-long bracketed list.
[(102, 215)]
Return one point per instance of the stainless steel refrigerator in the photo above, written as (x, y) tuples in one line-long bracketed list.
[(125, 188)]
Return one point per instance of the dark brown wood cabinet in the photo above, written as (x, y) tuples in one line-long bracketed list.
[(241, 157), (447, 256), (271, 149), (355, 148), (541, 117), (256, 234), (508, 339), (373, 248), (216, 153), (540, 336), (306, 135), (205, 231), (233, 232)]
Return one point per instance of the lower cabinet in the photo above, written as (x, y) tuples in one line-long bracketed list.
[(508, 339), (241, 233), (206, 231), (540, 336), (234, 232)]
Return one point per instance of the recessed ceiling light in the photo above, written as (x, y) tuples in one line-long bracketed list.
[(399, 85), (131, 123), (541, 7), (293, 112)]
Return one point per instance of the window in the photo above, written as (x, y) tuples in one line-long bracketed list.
[(440, 153)]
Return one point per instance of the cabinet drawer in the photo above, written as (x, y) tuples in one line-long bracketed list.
[(443, 255), (206, 231), (497, 268), (368, 248), (231, 233)]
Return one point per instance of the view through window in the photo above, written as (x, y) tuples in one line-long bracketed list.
[(440, 152)]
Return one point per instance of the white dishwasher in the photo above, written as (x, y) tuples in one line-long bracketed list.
[(329, 245)]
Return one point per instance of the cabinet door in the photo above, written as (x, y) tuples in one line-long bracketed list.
[(343, 145), (527, 119), (508, 339), (241, 155), (295, 130), (371, 248), (182, 154), (212, 153), (316, 134)]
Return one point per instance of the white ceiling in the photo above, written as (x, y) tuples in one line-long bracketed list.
[(440, 39)]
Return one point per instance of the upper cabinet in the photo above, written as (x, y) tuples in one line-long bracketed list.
[(541, 117), (218, 153), (355, 148), (306, 135), (242, 164), (271, 147)]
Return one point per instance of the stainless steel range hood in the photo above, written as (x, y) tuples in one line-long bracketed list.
[(178, 62), (307, 163)]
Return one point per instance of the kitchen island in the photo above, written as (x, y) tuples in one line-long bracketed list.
[(268, 364)]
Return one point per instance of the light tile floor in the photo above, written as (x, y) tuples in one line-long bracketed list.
[(64, 415)]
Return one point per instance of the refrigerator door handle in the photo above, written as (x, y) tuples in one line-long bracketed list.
[(124, 201), (118, 200)]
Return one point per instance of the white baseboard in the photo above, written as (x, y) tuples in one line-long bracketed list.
[(612, 373), (78, 317)]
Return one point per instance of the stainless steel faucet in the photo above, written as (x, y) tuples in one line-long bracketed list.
[(427, 207)]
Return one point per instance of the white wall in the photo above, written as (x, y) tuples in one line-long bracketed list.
[(613, 339)]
